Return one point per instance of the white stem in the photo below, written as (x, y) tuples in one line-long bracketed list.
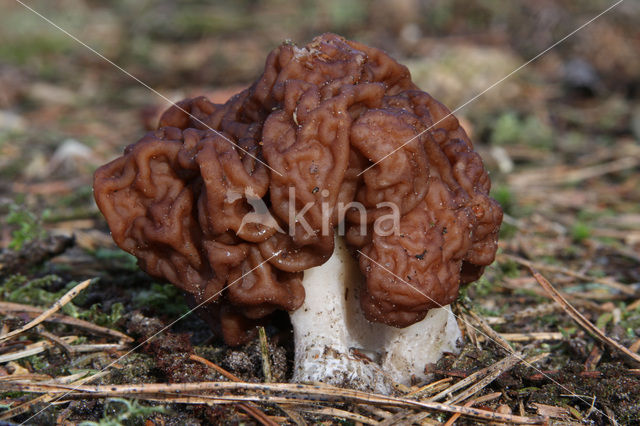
[(331, 333)]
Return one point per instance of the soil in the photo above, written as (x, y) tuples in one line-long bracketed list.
[(560, 138)]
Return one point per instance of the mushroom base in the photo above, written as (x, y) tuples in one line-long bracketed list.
[(335, 344)]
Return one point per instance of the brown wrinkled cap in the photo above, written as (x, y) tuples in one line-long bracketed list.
[(178, 199)]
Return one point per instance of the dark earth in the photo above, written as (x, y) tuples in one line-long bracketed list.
[(560, 138)]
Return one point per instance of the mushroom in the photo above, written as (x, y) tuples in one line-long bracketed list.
[(332, 188)]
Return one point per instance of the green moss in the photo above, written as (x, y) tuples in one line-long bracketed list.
[(95, 315), (10, 395), (26, 226), (19, 289), (568, 332), (344, 14), (38, 292), (580, 231), (603, 320), (630, 320), (120, 258), (191, 22), (509, 268), (165, 298), (505, 197), (507, 231), (483, 287), (482, 311), (21, 50), (506, 129), (37, 362), (136, 368), (79, 197), (509, 129)]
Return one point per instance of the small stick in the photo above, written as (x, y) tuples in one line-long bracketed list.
[(530, 361), (397, 418), (376, 411), (264, 352), (98, 347), (581, 320), (471, 331), (494, 371), (268, 377), (611, 415), (292, 393), (594, 358), (459, 385), (249, 407), (478, 400), (55, 340), (488, 397), (26, 406), (216, 367), (335, 412), (42, 317), (633, 306), (528, 337), (559, 269), (71, 377), (555, 176), (30, 377), (257, 413), (535, 311), (8, 307), (427, 388), (32, 349), (490, 332), (457, 415)]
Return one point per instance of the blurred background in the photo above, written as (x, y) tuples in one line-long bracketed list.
[(64, 110), (560, 138)]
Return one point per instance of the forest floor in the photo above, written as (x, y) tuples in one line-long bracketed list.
[(552, 329)]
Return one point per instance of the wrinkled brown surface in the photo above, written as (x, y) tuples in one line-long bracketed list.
[(319, 116)]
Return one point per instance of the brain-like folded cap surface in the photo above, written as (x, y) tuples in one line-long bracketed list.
[(206, 200)]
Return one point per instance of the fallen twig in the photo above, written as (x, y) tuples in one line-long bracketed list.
[(335, 412), (28, 377), (249, 408), (33, 349), (623, 288), (471, 403), (430, 388), (594, 358), (66, 298), (98, 347), (56, 340), (529, 337), (490, 333), (8, 307), (535, 311), (563, 175), (581, 320), (290, 393), (493, 372), (264, 352), (72, 379)]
